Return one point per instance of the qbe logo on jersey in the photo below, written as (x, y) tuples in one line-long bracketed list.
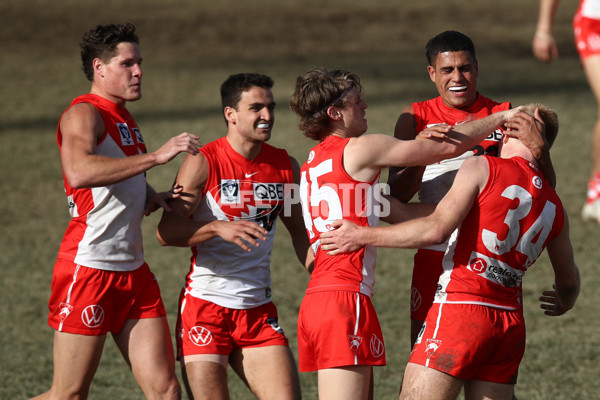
[(234, 191), (268, 191)]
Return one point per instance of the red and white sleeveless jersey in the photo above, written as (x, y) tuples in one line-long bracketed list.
[(239, 189), (507, 228), (105, 227), (438, 177), (434, 112), (328, 193)]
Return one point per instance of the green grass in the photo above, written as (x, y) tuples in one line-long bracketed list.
[(189, 48)]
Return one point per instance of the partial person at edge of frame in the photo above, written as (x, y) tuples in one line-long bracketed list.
[(586, 27)]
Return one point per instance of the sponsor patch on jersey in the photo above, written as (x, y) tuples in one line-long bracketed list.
[(495, 270), (267, 191), (230, 191), (125, 133), (138, 135)]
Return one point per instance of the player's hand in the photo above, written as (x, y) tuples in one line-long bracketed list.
[(160, 200), (544, 46), (241, 232), (509, 114), (529, 130), (344, 238), (184, 142), (551, 303), (438, 131)]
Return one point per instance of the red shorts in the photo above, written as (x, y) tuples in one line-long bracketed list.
[(587, 36), (472, 342), (204, 327), (336, 329), (426, 273), (90, 301)]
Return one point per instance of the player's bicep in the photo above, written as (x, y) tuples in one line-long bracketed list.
[(405, 126), (192, 176), (80, 127)]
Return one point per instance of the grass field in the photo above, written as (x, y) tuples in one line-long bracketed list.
[(189, 48)]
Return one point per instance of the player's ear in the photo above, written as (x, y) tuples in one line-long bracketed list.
[(230, 114), (334, 113), (431, 71), (98, 67)]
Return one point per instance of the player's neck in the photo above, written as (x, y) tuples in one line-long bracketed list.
[(246, 148), (517, 149)]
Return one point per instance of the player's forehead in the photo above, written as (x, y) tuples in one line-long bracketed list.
[(453, 59), (256, 95), (127, 51)]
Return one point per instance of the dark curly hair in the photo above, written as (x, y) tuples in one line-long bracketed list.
[(102, 42)]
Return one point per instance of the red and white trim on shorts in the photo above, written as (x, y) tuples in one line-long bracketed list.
[(69, 292)]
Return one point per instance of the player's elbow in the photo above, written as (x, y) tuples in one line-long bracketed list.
[(164, 235), (160, 237), (437, 234), (568, 290), (77, 180)]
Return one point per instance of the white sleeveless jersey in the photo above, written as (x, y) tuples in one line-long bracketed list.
[(105, 227), (238, 189)]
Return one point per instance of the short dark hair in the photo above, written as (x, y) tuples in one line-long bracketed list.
[(235, 85), (102, 42), (448, 41)]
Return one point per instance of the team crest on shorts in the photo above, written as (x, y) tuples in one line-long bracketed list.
[(431, 345), (355, 342), (65, 310)]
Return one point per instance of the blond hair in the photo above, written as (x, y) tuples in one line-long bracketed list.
[(549, 117)]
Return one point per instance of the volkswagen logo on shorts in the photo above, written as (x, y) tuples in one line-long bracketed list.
[(200, 336), (93, 316)]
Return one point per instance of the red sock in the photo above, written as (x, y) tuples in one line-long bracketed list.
[(593, 192)]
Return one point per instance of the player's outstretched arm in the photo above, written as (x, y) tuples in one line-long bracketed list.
[(419, 232), (567, 282), (388, 151)]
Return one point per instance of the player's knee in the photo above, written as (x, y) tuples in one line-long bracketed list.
[(165, 389)]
